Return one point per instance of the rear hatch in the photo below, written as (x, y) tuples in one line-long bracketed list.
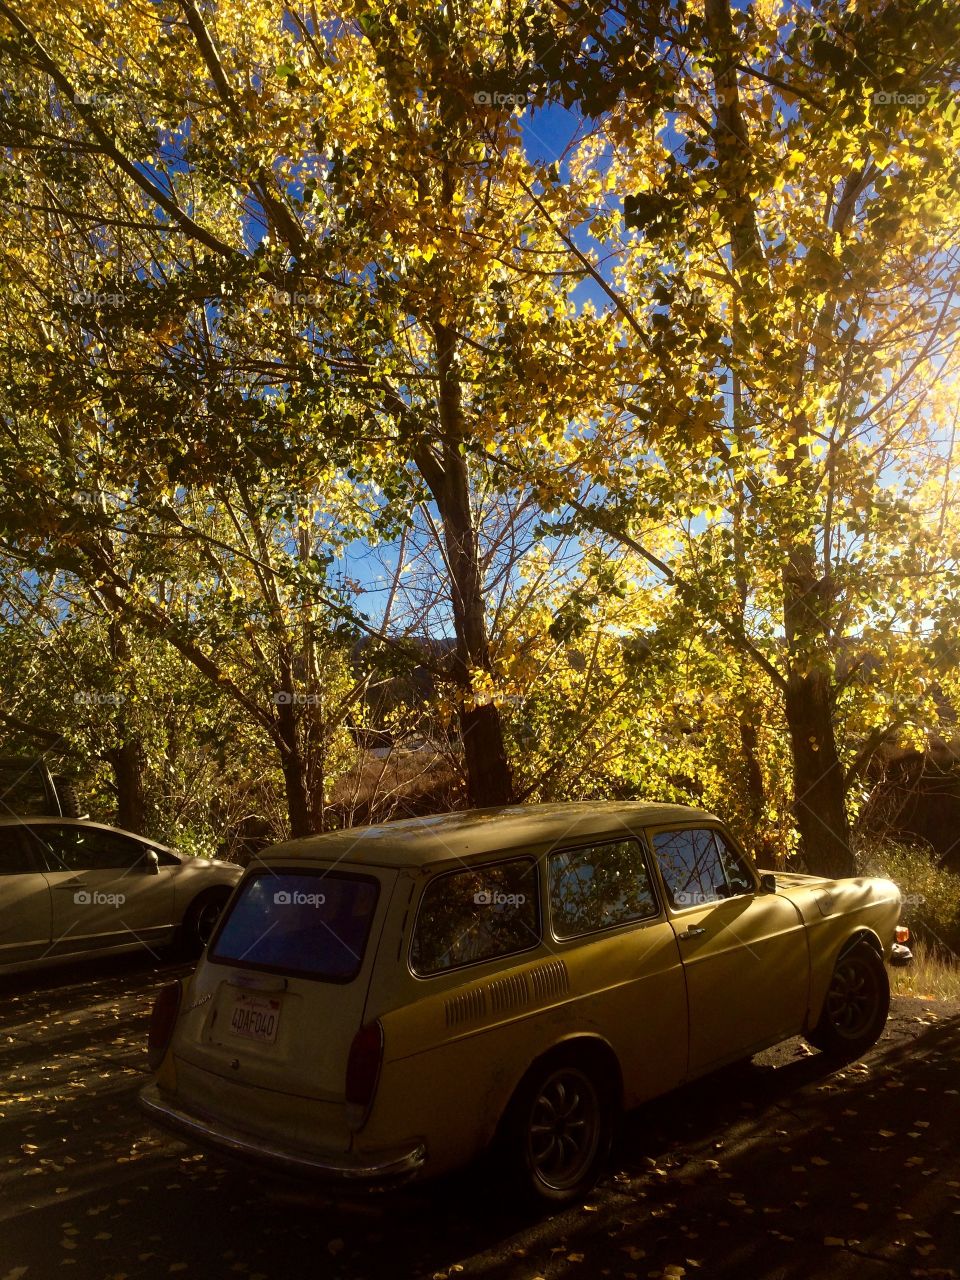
[(271, 1013)]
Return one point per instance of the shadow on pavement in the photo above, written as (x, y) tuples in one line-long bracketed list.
[(767, 1171)]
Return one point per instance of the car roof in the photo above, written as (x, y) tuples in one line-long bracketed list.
[(48, 819), (476, 833)]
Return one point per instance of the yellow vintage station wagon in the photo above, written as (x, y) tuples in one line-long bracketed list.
[(392, 1001)]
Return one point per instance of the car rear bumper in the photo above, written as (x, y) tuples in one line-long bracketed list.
[(349, 1169)]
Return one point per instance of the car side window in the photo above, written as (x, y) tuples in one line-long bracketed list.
[(15, 856), (165, 859), (699, 867), (739, 879), (476, 914), (71, 848), (598, 887)]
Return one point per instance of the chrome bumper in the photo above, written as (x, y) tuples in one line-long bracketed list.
[(349, 1169)]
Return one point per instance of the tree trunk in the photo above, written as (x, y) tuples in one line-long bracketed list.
[(294, 769), (126, 763), (819, 785), (748, 714), (126, 758), (753, 774), (298, 801), (818, 781), (489, 779)]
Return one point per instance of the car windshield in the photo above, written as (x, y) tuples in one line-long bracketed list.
[(312, 923)]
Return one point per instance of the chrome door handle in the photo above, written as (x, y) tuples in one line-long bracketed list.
[(693, 932)]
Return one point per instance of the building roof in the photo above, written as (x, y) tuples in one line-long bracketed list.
[(475, 833)]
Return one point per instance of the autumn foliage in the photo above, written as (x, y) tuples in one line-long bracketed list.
[(570, 388)]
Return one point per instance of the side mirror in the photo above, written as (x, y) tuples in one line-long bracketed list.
[(151, 863), (768, 882)]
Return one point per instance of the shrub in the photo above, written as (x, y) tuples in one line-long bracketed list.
[(404, 784), (931, 893)]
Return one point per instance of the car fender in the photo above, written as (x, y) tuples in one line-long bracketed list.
[(197, 875), (829, 951), (474, 1077), (838, 914)]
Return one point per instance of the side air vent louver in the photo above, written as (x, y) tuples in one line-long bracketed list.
[(469, 1006), (540, 985), (509, 993), (549, 980)]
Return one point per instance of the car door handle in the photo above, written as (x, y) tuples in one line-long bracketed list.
[(69, 884), (694, 931)]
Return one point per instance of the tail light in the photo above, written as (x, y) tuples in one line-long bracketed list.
[(903, 934), (163, 1019), (363, 1064)]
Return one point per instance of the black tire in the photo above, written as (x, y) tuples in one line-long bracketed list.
[(198, 922), (556, 1133), (856, 1005)]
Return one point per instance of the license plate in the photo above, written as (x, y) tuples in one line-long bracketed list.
[(255, 1017)]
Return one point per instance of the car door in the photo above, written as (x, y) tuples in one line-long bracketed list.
[(622, 954), (105, 889), (24, 899), (745, 954)]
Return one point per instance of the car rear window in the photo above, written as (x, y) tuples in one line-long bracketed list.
[(477, 914), (311, 923)]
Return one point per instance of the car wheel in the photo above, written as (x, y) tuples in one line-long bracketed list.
[(198, 923), (558, 1129), (856, 1005)]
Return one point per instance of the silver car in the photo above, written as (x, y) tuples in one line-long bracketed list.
[(72, 888)]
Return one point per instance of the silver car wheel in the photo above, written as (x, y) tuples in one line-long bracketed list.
[(564, 1128), (207, 917), (852, 999)]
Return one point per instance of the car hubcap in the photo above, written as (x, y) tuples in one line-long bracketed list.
[(564, 1129), (852, 999)]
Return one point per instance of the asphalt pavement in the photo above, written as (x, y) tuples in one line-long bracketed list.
[(779, 1168)]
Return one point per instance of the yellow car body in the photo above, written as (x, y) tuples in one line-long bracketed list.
[(664, 984)]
